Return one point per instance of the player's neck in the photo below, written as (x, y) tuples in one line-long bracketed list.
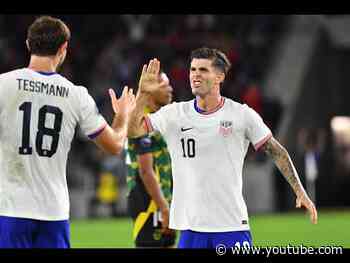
[(43, 64), (152, 106), (209, 102)]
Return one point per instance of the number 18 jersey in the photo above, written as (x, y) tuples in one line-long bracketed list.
[(38, 115), (207, 151)]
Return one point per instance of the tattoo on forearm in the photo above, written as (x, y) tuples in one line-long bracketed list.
[(282, 160)]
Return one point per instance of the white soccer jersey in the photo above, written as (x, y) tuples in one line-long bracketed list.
[(207, 153), (38, 116)]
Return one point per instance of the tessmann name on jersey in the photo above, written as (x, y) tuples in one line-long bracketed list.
[(42, 87)]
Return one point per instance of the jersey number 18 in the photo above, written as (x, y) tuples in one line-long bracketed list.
[(26, 107)]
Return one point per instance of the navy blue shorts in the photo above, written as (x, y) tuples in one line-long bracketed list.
[(192, 239), (31, 233)]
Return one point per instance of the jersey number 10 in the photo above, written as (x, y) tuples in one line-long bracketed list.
[(26, 107), (188, 148)]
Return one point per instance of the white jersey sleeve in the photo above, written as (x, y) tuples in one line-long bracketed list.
[(256, 130), (90, 120), (161, 120)]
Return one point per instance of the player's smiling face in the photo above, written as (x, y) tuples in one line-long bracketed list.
[(203, 76)]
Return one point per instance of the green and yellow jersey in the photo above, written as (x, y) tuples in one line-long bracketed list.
[(155, 144), (142, 208)]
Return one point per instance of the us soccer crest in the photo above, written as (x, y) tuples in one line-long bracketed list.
[(225, 128)]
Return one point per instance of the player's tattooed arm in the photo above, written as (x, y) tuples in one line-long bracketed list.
[(282, 160), (284, 163)]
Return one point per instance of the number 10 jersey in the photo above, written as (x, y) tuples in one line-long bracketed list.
[(207, 152)]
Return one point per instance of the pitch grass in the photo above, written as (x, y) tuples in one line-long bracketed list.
[(333, 229)]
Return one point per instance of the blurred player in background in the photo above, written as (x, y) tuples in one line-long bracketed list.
[(208, 138), (39, 111), (150, 181)]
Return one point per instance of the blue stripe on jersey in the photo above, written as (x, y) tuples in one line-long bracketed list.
[(197, 108), (46, 73), (96, 133)]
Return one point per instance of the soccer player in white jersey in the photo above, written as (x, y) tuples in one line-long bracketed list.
[(39, 110), (208, 138)]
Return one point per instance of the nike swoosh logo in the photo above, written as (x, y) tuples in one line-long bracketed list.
[(186, 129)]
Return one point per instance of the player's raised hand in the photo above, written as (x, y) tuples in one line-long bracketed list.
[(304, 200), (149, 80), (125, 104)]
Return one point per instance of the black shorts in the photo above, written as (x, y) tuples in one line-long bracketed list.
[(150, 234)]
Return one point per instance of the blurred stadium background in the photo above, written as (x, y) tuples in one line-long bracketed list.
[(292, 69)]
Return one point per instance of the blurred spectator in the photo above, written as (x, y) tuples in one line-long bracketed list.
[(252, 97), (310, 148), (137, 25), (110, 186), (179, 79)]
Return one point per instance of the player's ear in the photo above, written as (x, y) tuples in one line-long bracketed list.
[(63, 48), (220, 77)]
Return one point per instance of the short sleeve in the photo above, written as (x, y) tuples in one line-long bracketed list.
[(142, 144), (256, 130), (159, 121), (91, 121)]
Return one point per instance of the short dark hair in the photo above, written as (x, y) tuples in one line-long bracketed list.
[(219, 59), (46, 35)]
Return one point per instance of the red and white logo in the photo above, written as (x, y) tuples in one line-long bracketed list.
[(225, 128)]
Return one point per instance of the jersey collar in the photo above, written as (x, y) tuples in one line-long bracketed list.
[(45, 73)]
